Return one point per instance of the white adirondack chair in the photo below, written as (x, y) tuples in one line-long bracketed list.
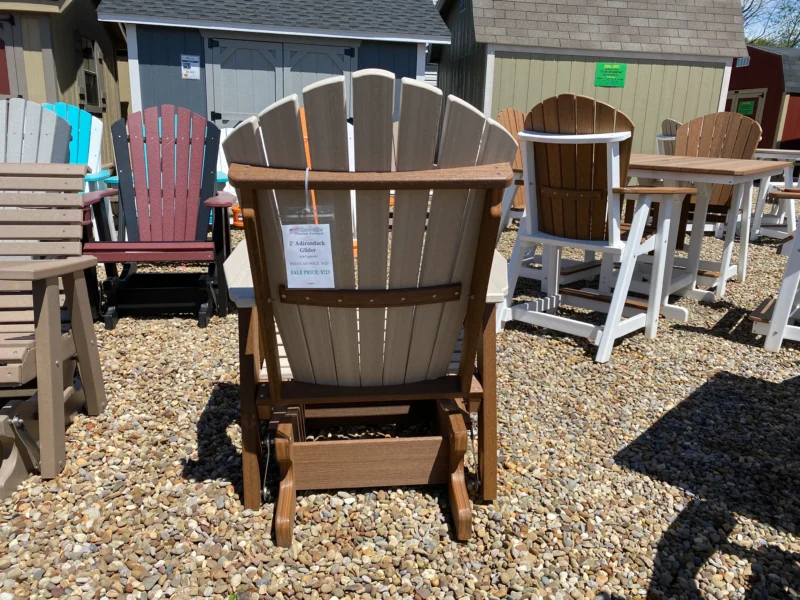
[(665, 141), (778, 319), (573, 166)]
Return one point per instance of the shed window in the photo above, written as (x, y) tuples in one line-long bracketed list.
[(93, 98)]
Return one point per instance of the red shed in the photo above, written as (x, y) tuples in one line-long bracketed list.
[(766, 87)]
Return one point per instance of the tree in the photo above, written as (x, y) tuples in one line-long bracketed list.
[(772, 22)]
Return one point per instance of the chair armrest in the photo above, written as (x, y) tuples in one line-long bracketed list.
[(788, 193), (113, 180), (34, 270), (654, 190), (95, 197), (222, 177), (99, 176), (221, 200)]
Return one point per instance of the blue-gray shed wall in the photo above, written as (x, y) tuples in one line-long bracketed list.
[(399, 58), (160, 50)]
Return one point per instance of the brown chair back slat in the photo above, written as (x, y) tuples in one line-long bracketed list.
[(513, 121)]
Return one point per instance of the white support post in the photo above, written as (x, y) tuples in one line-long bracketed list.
[(133, 68), (421, 62), (489, 81)]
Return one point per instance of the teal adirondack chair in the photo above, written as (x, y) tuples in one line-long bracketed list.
[(84, 149)]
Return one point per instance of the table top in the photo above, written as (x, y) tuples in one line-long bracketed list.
[(693, 165), (240, 280)]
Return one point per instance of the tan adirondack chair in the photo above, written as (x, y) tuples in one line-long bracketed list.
[(42, 217), (718, 135), (576, 152), (374, 339)]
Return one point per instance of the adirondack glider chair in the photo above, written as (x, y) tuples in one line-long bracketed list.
[(84, 149), (780, 221), (718, 135), (778, 319), (166, 163), (576, 152), (514, 206), (43, 331), (373, 339)]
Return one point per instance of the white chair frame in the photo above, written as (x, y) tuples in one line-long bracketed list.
[(541, 311), (787, 305)]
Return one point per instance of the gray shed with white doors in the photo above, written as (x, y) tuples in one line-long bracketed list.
[(230, 61)]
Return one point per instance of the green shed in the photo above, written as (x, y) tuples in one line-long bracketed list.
[(649, 59)]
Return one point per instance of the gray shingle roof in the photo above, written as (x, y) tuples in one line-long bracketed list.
[(791, 66), (402, 19), (692, 27)]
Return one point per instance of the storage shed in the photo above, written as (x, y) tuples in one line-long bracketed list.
[(651, 59), (766, 87), (57, 51), (231, 60)]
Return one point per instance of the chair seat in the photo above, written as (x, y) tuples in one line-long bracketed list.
[(150, 251)]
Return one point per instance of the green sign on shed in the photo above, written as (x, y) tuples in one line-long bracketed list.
[(608, 74)]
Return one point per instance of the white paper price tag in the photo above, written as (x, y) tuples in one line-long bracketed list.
[(308, 254)]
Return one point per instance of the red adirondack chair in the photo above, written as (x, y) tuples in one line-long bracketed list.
[(166, 162)]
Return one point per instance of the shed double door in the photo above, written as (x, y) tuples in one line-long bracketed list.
[(248, 75)]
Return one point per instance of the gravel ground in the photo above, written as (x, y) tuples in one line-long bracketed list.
[(671, 471)]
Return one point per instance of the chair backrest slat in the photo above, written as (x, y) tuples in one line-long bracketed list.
[(563, 169), (168, 171), (166, 159), (373, 107), (330, 345), (420, 107), (86, 131), (326, 120), (152, 137), (719, 135)]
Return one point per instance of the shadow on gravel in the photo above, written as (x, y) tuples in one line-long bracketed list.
[(733, 325), (217, 456), (734, 446)]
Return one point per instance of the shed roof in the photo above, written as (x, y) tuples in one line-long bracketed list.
[(791, 66), (408, 20), (689, 27)]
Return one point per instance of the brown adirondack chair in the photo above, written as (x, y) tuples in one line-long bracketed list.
[(513, 121), (716, 135), (39, 342), (166, 162), (377, 342)]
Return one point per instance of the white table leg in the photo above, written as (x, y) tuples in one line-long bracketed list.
[(730, 234), (763, 188), (698, 225), (656, 297), (744, 233)]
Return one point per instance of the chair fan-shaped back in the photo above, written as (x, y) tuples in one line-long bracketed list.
[(31, 134), (371, 346), (719, 135), (669, 127), (166, 162), (571, 179)]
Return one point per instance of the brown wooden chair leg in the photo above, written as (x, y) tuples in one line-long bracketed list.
[(487, 415), (250, 359), (49, 376), (287, 494), (85, 342), (452, 427)]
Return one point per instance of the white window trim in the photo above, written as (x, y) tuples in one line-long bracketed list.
[(726, 82), (292, 31), (133, 68)]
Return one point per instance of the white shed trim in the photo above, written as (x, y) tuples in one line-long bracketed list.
[(726, 80), (489, 83), (492, 48), (247, 27), (421, 56), (133, 68)]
